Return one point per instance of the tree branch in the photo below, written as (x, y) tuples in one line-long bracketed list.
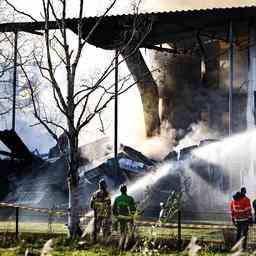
[(20, 12)]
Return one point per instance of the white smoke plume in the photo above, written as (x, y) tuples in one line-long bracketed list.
[(199, 131), (159, 146)]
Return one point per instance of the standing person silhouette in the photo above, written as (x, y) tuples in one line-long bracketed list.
[(124, 209), (101, 205), (241, 214)]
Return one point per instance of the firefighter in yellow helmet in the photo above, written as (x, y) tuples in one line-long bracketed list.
[(101, 205)]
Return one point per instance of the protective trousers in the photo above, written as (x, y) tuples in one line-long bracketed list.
[(242, 231), (101, 223)]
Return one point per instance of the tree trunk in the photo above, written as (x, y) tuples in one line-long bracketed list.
[(148, 90), (73, 183), (73, 217)]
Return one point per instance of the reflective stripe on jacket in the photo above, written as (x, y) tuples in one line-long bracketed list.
[(101, 203), (241, 209)]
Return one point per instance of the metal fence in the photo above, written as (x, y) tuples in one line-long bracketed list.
[(20, 219)]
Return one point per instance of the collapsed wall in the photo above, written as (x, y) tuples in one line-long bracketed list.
[(195, 88)]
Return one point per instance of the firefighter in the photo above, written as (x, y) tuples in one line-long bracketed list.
[(124, 210), (241, 214), (101, 205)]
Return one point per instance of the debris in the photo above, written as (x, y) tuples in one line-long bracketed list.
[(47, 248), (137, 156), (192, 249), (27, 252), (130, 165), (238, 247), (12, 141)]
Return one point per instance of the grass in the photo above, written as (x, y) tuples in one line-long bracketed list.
[(63, 247), (34, 235), (187, 233), (98, 251), (33, 227), (39, 227)]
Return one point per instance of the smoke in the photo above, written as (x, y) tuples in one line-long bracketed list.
[(131, 119), (158, 147), (198, 132), (178, 5)]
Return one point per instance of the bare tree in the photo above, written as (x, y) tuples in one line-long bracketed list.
[(82, 101), (7, 14)]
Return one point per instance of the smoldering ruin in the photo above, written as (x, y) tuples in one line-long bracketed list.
[(203, 76)]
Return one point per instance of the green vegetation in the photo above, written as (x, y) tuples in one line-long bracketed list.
[(144, 231), (64, 247), (153, 241), (33, 227), (103, 251)]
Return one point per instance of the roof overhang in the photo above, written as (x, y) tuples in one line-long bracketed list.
[(151, 28)]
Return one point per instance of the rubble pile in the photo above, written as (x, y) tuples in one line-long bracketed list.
[(43, 183)]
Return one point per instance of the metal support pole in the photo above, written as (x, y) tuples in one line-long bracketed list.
[(17, 223), (14, 79), (231, 76), (116, 114), (179, 230)]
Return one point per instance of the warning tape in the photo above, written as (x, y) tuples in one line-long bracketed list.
[(41, 210), (173, 225), (188, 226)]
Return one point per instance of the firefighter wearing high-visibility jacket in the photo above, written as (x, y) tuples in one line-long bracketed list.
[(241, 213), (101, 205), (124, 210)]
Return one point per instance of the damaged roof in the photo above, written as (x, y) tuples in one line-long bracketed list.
[(151, 28), (15, 144)]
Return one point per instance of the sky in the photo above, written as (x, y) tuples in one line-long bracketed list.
[(171, 5), (131, 124)]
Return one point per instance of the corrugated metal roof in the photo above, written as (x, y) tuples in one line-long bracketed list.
[(185, 11), (206, 9), (167, 26), (114, 31)]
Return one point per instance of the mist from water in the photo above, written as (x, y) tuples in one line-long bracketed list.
[(138, 188), (232, 157), (235, 156), (227, 165)]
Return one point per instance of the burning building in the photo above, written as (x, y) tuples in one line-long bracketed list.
[(203, 62), (202, 65)]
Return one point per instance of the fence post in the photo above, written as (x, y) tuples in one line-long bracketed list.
[(179, 231), (17, 223)]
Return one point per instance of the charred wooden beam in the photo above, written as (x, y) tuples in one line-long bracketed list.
[(11, 139), (5, 153), (27, 26)]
